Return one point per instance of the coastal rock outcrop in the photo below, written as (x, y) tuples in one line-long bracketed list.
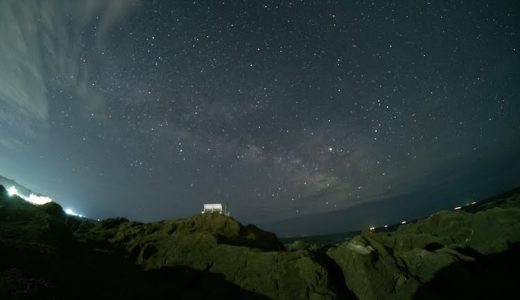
[(46, 254), (247, 256), (394, 265)]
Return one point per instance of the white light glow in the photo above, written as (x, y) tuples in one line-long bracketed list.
[(71, 212), (38, 200), (34, 199), (403, 222), (372, 228), (12, 191), (386, 226), (457, 208), (473, 203)]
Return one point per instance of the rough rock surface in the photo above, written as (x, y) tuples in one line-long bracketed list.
[(41, 258), (45, 254), (394, 265), (245, 255)]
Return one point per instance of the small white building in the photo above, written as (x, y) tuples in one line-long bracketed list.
[(215, 208)]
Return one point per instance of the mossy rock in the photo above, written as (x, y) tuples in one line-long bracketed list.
[(245, 255), (394, 265)]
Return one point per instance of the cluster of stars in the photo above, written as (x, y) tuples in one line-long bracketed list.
[(294, 108)]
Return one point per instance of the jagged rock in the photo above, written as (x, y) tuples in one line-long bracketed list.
[(245, 255), (41, 259), (228, 231), (370, 269), (48, 255), (53, 209), (394, 265)]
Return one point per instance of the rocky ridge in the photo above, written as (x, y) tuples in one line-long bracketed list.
[(47, 255), (395, 265), (247, 256)]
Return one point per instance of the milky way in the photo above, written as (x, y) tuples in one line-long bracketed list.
[(148, 109)]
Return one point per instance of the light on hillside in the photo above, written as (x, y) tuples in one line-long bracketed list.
[(32, 198), (12, 191), (38, 200), (71, 212)]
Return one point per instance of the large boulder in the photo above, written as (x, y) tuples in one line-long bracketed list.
[(228, 231), (371, 270), (245, 255), (41, 258)]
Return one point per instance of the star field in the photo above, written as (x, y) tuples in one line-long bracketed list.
[(147, 109)]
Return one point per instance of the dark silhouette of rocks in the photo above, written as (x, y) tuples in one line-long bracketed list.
[(247, 256), (46, 254), (3, 191), (395, 265)]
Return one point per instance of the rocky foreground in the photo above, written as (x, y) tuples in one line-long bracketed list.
[(45, 254)]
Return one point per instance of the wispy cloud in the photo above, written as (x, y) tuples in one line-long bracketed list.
[(42, 47)]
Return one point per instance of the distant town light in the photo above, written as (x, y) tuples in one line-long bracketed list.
[(403, 222), (473, 203), (372, 228), (386, 226), (458, 207)]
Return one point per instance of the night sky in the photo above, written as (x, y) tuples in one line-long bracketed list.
[(283, 109)]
